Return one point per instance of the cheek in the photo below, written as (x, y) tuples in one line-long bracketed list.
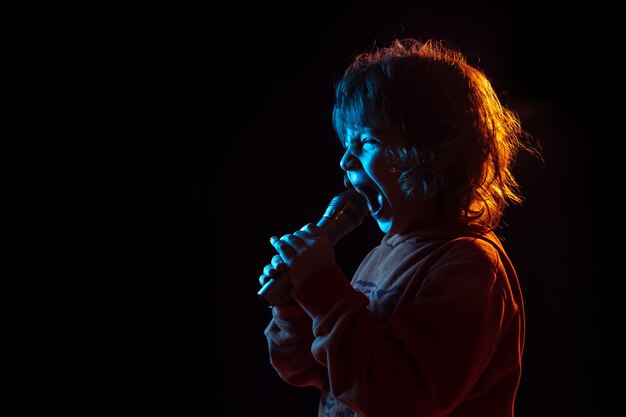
[(388, 182), (379, 169)]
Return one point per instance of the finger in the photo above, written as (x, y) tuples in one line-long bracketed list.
[(304, 236), (294, 240), (278, 263), (281, 245), (264, 279), (313, 229), (269, 270)]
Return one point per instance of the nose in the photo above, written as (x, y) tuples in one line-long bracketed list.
[(348, 161)]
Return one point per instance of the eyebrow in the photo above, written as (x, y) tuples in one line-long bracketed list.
[(357, 135)]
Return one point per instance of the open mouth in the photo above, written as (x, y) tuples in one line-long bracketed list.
[(374, 198)]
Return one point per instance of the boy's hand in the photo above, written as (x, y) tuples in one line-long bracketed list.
[(304, 252), (270, 271)]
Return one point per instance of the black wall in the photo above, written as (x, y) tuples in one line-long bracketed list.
[(239, 145)]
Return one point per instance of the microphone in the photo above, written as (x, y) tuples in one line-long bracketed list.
[(345, 213)]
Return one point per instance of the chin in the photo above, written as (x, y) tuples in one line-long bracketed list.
[(384, 226)]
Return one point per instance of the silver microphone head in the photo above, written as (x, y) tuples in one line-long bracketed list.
[(347, 211)]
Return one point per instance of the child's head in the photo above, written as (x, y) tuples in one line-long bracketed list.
[(454, 143)]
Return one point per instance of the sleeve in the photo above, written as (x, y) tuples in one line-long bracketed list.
[(425, 359), (289, 339)]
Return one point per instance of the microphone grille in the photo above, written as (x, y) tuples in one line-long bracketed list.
[(352, 205)]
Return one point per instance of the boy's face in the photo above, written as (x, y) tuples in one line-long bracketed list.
[(373, 176)]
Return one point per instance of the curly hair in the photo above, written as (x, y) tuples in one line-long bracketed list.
[(461, 141)]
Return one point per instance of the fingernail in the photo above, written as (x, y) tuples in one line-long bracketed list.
[(273, 239)]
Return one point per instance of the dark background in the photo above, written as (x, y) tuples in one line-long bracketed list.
[(235, 107)]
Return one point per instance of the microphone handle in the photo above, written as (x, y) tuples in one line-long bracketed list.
[(274, 290)]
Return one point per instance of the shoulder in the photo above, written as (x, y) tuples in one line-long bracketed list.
[(478, 248), (483, 249), (466, 260), (461, 241)]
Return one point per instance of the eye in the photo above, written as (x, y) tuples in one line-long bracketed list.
[(369, 142)]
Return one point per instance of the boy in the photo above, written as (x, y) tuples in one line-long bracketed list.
[(432, 323)]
